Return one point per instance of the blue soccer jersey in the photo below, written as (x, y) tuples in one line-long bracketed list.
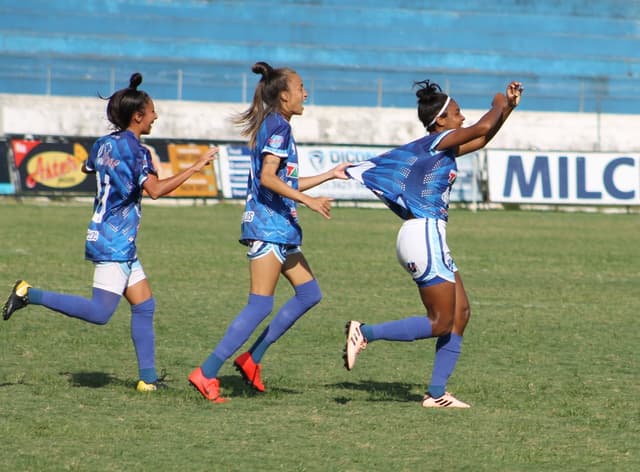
[(414, 180), (121, 165), (269, 216)]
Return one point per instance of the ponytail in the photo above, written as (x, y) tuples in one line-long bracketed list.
[(124, 103), (266, 99)]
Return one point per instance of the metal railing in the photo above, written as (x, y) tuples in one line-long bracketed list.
[(387, 89)]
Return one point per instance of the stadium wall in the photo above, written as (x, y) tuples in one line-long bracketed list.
[(547, 158), (525, 130)]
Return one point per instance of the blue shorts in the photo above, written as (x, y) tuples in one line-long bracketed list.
[(258, 249), (422, 250)]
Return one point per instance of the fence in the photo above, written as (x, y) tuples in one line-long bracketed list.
[(331, 87)]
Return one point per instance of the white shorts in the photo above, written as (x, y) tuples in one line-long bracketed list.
[(258, 249), (115, 277), (422, 250)]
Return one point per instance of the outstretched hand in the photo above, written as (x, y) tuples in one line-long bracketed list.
[(338, 171), (206, 157), (513, 93)]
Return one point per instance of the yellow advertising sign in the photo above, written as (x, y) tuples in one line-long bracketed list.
[(55, 169), (202, 184)]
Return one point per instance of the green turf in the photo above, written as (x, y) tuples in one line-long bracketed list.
[(549, 364)]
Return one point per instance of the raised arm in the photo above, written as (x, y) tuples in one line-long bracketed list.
[(478, 135)]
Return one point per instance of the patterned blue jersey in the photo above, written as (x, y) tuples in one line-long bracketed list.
[(414, 180), (121, 165), (269, 216)]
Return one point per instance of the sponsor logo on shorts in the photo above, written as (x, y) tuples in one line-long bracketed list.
[(412, 267), (92, 235)]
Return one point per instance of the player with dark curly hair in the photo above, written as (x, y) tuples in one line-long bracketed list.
[(415, 181)]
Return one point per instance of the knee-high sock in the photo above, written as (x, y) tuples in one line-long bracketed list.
[(144, 339), (98, 310), (256, 310), (448, 350), (306, 296), (406, 329)]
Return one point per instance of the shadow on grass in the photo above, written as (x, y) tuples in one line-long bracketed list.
[(379, 391), (11, 384), (93, 379), (235, 386)]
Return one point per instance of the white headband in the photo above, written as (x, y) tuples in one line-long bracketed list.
[(444, 107)]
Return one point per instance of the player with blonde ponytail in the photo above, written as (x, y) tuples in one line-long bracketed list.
[(270, 228)]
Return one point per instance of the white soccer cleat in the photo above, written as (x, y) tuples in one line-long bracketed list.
[(445, 401), (355, 343)]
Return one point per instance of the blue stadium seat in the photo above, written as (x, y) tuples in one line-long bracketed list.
[(572, 55)]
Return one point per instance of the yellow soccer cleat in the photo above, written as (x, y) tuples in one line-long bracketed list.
[(19, 298), (143, 386)]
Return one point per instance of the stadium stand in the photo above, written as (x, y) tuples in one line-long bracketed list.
[(573, 55)]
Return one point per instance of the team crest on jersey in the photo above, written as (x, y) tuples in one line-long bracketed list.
[(452, 176), (275, 141), (292, 170)]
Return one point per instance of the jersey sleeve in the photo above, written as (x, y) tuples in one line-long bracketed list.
[(277, 139), (90, 163), (437, 140), (147, 165), (144, 165)]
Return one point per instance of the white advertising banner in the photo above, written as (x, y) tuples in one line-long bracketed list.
[(563, 178), (234, 169), (317, 159), (234, 164)]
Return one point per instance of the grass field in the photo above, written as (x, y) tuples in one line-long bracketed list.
[(550, 362)]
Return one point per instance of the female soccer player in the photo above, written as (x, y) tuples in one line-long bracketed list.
[(123, 170), (414, 181), (270, 228)]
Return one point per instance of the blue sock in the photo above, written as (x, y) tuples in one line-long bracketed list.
[(306, 296), (256, 310), (144, 340), (448, 350), (98, 310), (407, 329)]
